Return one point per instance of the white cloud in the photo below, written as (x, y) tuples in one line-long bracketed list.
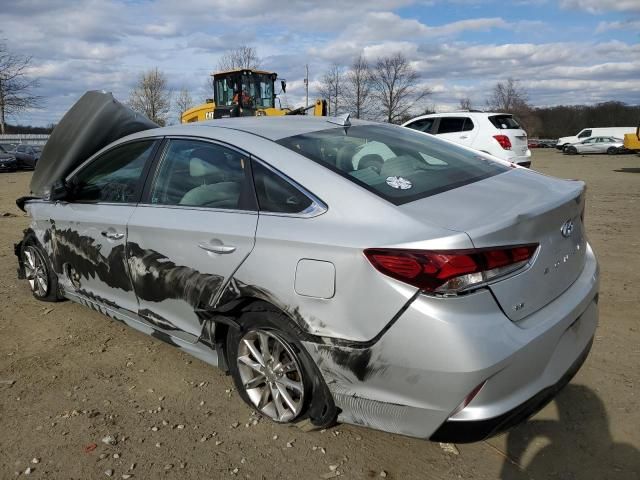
[(599, 6), (95, 44)]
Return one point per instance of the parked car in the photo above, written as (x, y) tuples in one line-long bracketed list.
[(7, 159), (498, 134), (27, 155), (438, 293), (610, 145), (585, 133), (8, 147)]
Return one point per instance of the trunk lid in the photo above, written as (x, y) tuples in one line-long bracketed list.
[(514, 208)]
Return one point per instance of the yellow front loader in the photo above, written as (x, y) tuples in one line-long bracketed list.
[(246, 93)]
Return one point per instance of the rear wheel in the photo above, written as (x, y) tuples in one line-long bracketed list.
[(42, 281), (273, 373)]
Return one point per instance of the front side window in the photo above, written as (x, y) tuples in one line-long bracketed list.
[(115, 176), (451, 124), (397, 164), (422, 125), (201, 174), (584, 134), (275, 194), (21, 148)]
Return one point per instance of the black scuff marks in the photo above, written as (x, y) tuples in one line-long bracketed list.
[(155, 277), (357, 361), (81, 252)]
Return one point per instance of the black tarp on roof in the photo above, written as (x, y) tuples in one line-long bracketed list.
[(93, 122)]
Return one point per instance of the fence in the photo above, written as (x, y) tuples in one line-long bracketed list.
[(28, 138)]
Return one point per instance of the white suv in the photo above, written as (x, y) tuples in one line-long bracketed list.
[(497, 134)]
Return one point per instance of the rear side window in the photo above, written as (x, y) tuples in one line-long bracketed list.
[(397, 164), (202, 174), (451, 124), (504, 122), (275, 194), (422, 125)]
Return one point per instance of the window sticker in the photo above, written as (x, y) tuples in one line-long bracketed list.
[(399, 182)]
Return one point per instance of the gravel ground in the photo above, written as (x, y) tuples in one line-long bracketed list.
[(69, 378)]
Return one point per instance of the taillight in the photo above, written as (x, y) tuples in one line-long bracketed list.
[(449, 271), (504, 141)]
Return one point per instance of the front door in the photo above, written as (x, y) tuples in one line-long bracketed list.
[(88, 236), (195, 227)]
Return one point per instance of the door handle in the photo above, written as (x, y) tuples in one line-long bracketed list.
[(217, 248), (464, 136), (113, 235)]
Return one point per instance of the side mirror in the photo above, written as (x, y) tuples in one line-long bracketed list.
[(283, 84), (59, 191)]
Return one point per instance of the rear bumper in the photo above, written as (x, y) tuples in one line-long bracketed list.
[(413, 379), (477, 430)]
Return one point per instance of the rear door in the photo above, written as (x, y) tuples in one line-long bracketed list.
[(590, 145), (88, 232), (459, 129), (194, 228)]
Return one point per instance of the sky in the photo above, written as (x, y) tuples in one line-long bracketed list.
[(562, 52)]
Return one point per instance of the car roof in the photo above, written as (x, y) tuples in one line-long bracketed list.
[(271, 128)]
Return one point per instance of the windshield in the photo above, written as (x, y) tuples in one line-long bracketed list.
[(504, 122), (259, 87), (250, 90), (397, 164)]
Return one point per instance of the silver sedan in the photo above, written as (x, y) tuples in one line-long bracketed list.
[(609, 145), (428, 290)]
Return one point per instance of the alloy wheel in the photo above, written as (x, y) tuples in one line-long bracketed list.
[(271, 375), (36, 271)]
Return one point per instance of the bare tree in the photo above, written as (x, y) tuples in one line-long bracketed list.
[(395, 87), (332, 87), (357, 88), (241, 57), (151, 96), (511, 97), (183, 102), (15, 86), (465, 103), (508, 97)]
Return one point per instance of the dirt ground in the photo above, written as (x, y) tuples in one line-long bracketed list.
[(69, 377)]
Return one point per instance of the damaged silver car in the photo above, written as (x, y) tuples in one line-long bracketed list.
[(339, 270)]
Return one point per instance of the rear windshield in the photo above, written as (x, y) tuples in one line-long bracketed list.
[(397, 164), (504, 122)]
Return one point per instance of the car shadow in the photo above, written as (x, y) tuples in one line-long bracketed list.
[(628, 170), (576, 446)]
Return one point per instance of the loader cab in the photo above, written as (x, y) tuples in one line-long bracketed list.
[(242, 93)]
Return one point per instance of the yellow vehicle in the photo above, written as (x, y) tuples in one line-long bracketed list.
[(246, 93), (632, 140)]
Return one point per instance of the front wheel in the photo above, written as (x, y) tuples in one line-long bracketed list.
[(43, 282), (612, 151), (571, 150)]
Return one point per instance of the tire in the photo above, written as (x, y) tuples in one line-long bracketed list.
[(285, 395), (40, 276), (571, 150), (612, 151)]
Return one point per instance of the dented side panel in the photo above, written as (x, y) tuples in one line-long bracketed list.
[(181, 277)]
